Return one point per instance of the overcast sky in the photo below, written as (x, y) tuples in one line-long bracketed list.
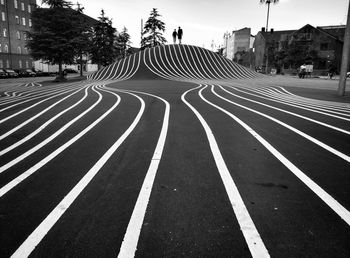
[(204, 21)]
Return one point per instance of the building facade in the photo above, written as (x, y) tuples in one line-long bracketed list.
[(15, 21), (320, 47), (237, 41)]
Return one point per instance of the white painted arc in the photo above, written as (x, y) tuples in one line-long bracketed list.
[(38, 115), (313, 108), (285, 111), (323, 195), (293, 129), (27, 99), (43, 126), (45, 226), (55, 153), (34, 105), (49, 139), (130, 240), (250, 233)]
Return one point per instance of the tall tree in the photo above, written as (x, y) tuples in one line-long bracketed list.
[(53, 32), (103, 50), (83, 38), (152, 34), (268, 2), (123, 43)]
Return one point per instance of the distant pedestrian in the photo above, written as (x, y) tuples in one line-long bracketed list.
[(331, 71), (179, 34), (302, 71), (174, 36)]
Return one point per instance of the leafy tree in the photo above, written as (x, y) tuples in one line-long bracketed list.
[(103, 50), (152, 32), (53, 33), (123, 43), (84, 34)]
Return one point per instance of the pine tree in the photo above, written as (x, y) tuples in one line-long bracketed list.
[(123, 43), (152, 32), (103, 50), (53, 33)]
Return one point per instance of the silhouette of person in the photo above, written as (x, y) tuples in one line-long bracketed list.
[(174, 36), (179, 34)]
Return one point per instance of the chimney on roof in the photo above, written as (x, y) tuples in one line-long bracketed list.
[(271, 31), (263, 29)]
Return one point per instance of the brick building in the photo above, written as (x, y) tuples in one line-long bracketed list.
[(319, 46), (15, 21)]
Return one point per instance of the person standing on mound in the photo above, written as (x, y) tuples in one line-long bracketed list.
[(179, 34), (174, 36)]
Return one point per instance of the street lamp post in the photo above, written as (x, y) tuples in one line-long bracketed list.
[(345, 59)]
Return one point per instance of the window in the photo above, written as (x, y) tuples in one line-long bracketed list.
[(18, 35), (23, 21), (4, 32), (3, 16), (2, 2), (19, 50), (22, 7), (0, 48), (18, 21), (7, 64), (1, 64), (20, 64), (27, 64), (324, 46), (6, 48), (15, 3), (26, 51), (30, 22), (29, 8)]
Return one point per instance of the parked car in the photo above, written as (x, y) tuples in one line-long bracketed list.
[(26, 73), (3, 74), (69, 70), (41, 73), (11, 73)]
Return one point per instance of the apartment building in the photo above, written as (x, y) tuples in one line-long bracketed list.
[(237, 41), (322, 46), (15, 21)]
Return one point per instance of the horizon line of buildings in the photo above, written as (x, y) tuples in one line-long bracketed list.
[(325, 43)]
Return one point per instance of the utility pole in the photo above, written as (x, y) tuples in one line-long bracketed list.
[(345, 58), (268, 12), (141, 30)]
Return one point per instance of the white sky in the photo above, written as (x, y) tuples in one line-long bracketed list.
[(207, 20)]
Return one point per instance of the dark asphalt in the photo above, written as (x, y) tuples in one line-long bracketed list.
[(189, 212)]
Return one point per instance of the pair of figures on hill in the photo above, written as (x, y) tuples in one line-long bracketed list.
[(177, 34)]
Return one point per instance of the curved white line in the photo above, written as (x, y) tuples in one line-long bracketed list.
[(45, 226), (323, 195), (250, 233)]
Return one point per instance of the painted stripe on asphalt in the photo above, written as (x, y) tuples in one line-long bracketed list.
[(285, 111), (306, 136), (250, 233), (39, 233), (328, 199), (131, 237)]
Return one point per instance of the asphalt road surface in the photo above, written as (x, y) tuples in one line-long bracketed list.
[(174, 152)]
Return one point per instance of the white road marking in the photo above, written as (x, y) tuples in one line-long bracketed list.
[(285, 111), (131, 237), (306, 136), (39, 233), (328, 199), (251, 234)]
